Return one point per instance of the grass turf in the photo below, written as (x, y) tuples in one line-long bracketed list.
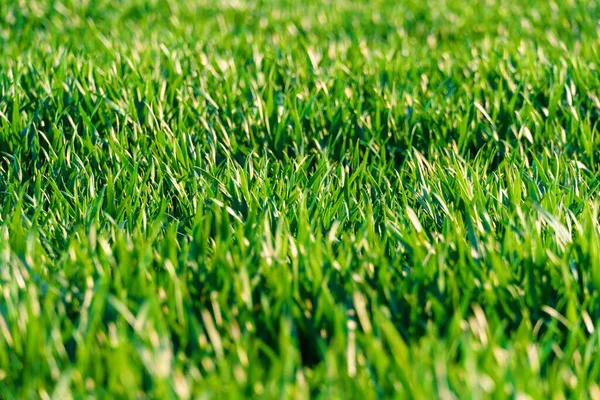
[(293, 199)]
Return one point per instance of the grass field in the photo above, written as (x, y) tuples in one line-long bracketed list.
[(292, 199)]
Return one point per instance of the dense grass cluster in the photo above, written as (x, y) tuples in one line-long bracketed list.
[(292, 199)]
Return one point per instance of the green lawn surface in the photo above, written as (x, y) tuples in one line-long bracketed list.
[(292, 199)]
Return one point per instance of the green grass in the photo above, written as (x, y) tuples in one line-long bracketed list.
[(289, 199)]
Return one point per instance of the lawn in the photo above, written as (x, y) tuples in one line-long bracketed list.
[(294, 199)]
